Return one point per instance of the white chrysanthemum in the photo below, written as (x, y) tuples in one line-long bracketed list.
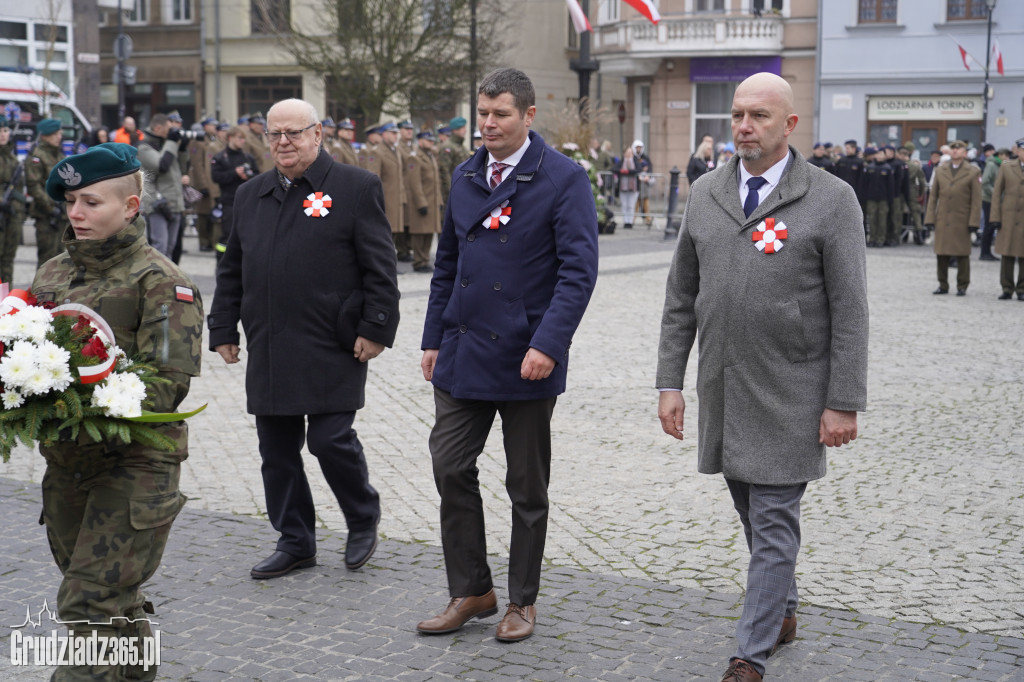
[(8, 328), (50, 356), (38, 382), (60, 377), (23, 350), (15, 370), (123, 363), (37, 322), (12, 399), (120, 395)]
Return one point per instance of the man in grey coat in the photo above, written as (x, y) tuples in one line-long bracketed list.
[(769, 268), (163, 202)]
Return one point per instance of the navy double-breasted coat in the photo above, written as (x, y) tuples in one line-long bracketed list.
[(525, 284)]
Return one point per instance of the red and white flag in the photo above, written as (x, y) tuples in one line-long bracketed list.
[(646, 8), (579, 19), (965, 55), (997, 57)]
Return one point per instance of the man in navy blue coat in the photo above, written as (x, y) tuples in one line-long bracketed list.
[(516, 265)]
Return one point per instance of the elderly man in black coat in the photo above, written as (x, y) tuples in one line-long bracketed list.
[(310, 272)]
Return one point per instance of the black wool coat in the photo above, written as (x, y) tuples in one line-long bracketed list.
[(306, 271)]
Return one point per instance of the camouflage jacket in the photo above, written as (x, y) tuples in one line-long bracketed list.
[(8, 164), (153, 308), (449, 155), (38, 165)]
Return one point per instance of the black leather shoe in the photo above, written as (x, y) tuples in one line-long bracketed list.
[(1005, 296), (961, 292), (360, 546), (279, 564), (405, 258), (940, 290), (987, 256)]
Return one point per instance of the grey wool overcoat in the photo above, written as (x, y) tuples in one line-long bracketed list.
[(782, 335)]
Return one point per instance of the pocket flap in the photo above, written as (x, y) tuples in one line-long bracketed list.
[(153, 511)]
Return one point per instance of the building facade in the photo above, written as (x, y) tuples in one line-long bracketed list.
[(892, 71), (681, 73)]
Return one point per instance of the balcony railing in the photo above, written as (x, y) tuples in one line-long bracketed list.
[(691, 36)]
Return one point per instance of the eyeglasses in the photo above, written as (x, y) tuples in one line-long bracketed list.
[(293, 135)]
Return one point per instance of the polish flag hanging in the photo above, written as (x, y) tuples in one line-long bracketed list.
[(646, 8), (579, 19), (997, 57), (963, 56)]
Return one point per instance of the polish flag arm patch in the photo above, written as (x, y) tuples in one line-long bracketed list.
[(184, 294)]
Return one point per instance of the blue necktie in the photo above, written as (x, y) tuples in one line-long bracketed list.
[(750, 203)]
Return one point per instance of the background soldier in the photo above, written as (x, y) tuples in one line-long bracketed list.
[(347, 133), (877, 183), (200, 154), (954, 207), (1008, 218), (394, 188), (49, 216), (12, 202), (330, 138), (450, 154), (425, 197), (899, 198), (407, 137), (988, 183), (849, 168), (369, 155), (917, 185), (256, 143), (820, 159)]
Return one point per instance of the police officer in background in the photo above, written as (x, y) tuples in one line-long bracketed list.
[(48, 214), (12, 202), (878, 187), (820, 159), (849, 168), (346, 133)]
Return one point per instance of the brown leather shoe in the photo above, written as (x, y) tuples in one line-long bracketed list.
[(740, 671), (459, 611), (517, 624), (787, 635)]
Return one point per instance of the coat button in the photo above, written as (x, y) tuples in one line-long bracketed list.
[(465, 282), (462, 329), (494, 335), (497, 286), (381, 316), (503, 238), (470, 237)]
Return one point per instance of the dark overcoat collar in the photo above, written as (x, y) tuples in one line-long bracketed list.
[(314, 176), (475, 170)]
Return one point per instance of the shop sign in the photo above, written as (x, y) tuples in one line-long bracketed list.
[(926, 108)]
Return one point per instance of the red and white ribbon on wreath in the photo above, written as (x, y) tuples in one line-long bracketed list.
[(498, 217), (93, 373), (769, 235), (14, 301), (316, 204)]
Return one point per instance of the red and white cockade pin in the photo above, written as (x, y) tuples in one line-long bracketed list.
[(498, 217), (316, 204), (769, 235)]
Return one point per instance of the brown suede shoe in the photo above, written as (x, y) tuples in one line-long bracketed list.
[(787, 635), (517, 624), (459, 611), (740, 671)]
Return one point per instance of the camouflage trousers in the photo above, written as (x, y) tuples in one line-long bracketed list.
[(10, 239), (107, 521)]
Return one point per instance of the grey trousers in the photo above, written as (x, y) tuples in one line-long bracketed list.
[(771, 523), (163, 233), (457, 439)]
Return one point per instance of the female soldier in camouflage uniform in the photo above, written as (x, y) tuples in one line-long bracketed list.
[(107, 506)]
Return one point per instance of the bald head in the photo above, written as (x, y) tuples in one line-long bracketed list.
[(292, 108), (762, 120)]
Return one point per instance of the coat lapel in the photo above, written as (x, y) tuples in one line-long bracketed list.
[(794, 184), (523, 172), (726, 191)]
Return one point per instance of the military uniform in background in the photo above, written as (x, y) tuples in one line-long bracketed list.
[(200, 155), (424, 205), (899, 199), (108, 507), (917, 186), (849, 168), (450, 154), (878, 188), (13, 209), (257, 147), (369, 158), (51, 220)]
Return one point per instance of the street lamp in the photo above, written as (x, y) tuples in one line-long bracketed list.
[(988, 58)]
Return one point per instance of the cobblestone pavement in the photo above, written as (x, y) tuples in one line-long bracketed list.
[(912, 560)]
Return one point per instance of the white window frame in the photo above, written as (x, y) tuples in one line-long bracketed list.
[(641, 121), (141, 10), (168, 11), (608, 11)]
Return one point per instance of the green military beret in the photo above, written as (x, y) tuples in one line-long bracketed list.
[(456, 123), (102, 162), (48, 126)]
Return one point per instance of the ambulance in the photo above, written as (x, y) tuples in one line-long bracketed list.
[(27, 98)]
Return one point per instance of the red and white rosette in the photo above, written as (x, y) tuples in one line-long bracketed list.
[(93, 373), (316, 204), (498, 217), (769, 234)]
